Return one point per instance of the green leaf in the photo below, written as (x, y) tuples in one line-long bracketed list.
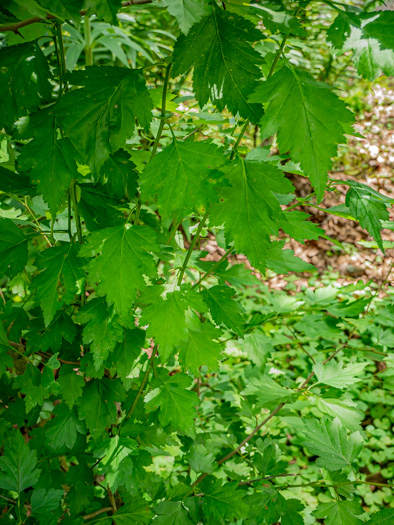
[(63, 9), (100, 117), (102, 330), (127, 351), (258, 346), (61, 328), (44, 501), (368, 209), (136, 511), (293, 100), (13, 248), (224, 61), (56, 263), (122, 263), (335, 374), (105, 9), (329, 440), (284, 261), (24, 81), (343, 408), (15, 183), (51, 162), (177, 404), (98, 407), (381, 28), (223, 309), (200, 349), (71, 385), (119, 175), (362, 34), (340, 513), (167, 319), (267, 391), (384, 517), (18, 465), (255, 217), (62, 430), (223, 501), (299, 228), (181, 177), (172, 513), (187, 12)]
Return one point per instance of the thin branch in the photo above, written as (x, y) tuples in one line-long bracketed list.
[(191, 248), (214, 267), (97, 513), (163, 111)]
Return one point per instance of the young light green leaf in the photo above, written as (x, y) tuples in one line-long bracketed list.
[(258, 346), (223, 309), (24, 81), (250, 223), (187, 12), (124, 258), (224, 61), (18, 465), (13, 248), (100, 117), (294, 100), (329, 440), (176, 402), (267, 391), (335, 374), (60, 262), (98, 407), (181, 177), (340, 513)]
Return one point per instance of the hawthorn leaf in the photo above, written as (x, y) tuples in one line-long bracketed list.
[(187, 12), (176, 402), (13, 248), (167, 319), (181, 177), (340, 512), (44, 501), (98, 407), (336, 375), (223, 501), (126, 353), (258, 347), (267, 391), (200, 348), (329, 440), (30, 383), (15, 183), (361, 33), (255, 217), (63, 9), (71, 385), (383, 517), (284, 261), (135, 511), (24, 81), (299, 228), (294, 100), (224, 61), (172, 513), (61, 328), (368, 209), (105, 9), (224, 309), (102, 330), (119, 175), (380, 26), (115, 465), (18, 465), (50, 161), (56, 263), (124, 258), (62, 430), (100, 117), (344, 409)]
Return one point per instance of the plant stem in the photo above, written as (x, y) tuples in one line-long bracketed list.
[(97, 513), (88, 42), (142, 386), (36, 221), (191, 248), (240, 136), (214, 267), (75, 206), (163, 111)]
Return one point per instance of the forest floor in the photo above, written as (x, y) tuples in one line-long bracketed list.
[(369, 160)]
